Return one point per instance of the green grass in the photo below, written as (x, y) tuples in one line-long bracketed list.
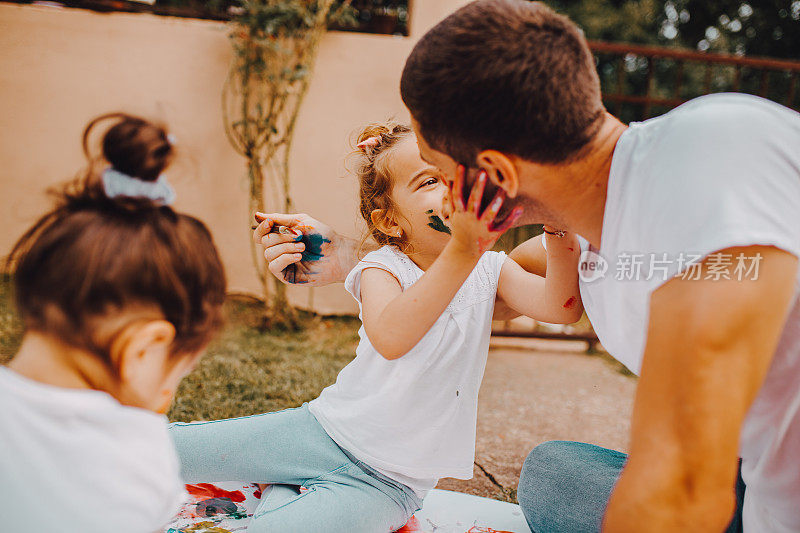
[(245, 370), (248, 371), (10, 326)]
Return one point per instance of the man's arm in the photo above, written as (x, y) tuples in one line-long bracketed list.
[(709, 346)]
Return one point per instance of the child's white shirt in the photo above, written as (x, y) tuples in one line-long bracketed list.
[(77, 461), (413, 419)]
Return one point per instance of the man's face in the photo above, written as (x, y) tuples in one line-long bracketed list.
[(447, 165), (440, 160)]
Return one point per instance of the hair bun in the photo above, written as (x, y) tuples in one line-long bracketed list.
[(134, 146), (138, 151)]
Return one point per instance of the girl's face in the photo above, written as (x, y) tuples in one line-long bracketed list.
[(419, 193)]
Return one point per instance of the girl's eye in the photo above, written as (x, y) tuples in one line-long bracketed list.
[(430, 181)]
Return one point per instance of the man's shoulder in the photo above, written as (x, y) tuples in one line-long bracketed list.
[(714, 125), (713, 137), (735, 110)]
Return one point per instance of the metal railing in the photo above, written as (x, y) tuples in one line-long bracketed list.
[(666, 87)]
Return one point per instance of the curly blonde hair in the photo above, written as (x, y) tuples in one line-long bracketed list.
[(375, 182)]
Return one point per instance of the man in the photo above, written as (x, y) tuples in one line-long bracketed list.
[(690, 272)]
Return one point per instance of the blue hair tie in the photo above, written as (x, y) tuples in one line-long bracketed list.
[(119, 185)]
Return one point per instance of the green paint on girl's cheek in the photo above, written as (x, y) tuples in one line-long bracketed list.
[(436, 223)]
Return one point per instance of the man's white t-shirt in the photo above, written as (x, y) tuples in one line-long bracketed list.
[(77, 461), (717, 172), (414, 419)]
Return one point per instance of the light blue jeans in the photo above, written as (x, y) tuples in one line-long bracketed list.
[(290, 449), (564, 487)]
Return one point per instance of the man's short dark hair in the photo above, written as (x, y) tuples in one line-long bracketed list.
[(509, 75)]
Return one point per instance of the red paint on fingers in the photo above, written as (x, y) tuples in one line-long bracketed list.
[(457, 191), (509, 221), (476, 194), (486, 244)]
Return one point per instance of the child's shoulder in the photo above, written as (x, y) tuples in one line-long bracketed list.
[(389, 258), (492, 261), (385, 254)]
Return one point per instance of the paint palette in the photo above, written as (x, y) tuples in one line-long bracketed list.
[(227, 508), (216, 508)]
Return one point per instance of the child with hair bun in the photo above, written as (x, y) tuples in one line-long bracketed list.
[(403, 413), (119, 296)]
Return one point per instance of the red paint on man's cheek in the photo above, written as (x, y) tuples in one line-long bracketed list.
[(570, 303)]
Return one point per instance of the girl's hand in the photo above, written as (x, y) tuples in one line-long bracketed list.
[(474, 231), (560, 240)]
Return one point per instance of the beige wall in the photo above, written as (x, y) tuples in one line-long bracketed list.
[(61, 67)]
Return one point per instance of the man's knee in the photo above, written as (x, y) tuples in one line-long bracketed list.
[(540, 477), (564, 486)]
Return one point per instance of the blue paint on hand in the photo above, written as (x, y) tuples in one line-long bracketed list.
[(313, 242)]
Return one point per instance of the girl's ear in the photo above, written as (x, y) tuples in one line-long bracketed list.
[(501, 170), (385, 223), (141, 350)]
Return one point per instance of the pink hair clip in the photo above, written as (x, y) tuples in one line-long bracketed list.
[(372, 142)]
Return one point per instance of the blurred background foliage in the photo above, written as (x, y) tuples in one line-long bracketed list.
[(761, 28)]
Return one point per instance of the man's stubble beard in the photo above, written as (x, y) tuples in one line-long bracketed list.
[(534, 212)]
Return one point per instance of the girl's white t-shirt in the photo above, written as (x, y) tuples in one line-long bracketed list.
[(413, 419), (77, 461), (720, 171)]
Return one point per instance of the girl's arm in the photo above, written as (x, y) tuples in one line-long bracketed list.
[(554, 298), (396, 320), (532, 257)]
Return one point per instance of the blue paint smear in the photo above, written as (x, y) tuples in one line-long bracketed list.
[(313, 242)]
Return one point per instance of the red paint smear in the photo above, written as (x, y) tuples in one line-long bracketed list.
[(570, 303), (570, 249), (485, 244), (207, 490), (478, 529), (411, 526)]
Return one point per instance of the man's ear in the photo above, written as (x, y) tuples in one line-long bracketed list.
[(385, 223), (136, 342), (501, 170)]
